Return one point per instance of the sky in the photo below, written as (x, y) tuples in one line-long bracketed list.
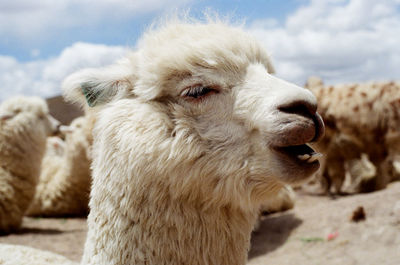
[(341, 41)]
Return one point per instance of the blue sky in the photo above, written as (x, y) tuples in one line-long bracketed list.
[(42, 41), (125, 30)]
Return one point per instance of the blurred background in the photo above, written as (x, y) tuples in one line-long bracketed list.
[(43, 41)]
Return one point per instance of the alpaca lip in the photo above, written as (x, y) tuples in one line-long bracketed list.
[(292, 141), (301, 154)]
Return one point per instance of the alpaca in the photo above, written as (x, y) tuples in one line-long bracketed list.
[(51, 161), (64, 183), (343, 155), (25, 124), (192, 135), (361, 119)]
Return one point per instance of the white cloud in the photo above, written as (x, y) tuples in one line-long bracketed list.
[(340, 41), (43, 77), (29, 18)]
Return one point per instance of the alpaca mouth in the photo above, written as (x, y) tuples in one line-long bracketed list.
[(303, 155), (292, 146)]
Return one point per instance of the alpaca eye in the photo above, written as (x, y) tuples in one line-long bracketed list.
[(196, 92)]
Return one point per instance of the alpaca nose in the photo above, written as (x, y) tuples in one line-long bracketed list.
[(306, 109), (300, 107)]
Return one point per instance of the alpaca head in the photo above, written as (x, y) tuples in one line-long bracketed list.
[(196, 107), (25, 124), (75, 128), (21, 113)]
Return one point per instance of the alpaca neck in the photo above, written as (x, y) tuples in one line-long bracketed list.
[(157, 230)]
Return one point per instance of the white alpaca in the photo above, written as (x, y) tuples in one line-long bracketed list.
[(195, 136), (64, 184), (24, 126)]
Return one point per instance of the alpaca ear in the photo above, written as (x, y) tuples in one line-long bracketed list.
[(95, 87)]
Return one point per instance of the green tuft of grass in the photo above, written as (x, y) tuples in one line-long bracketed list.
[(311, 239)]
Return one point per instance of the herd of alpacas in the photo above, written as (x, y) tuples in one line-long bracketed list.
[(182, 143)]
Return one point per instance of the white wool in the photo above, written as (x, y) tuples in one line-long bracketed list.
[(24, 126)]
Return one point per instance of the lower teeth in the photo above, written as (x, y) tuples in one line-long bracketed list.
[(309, 158), (304, 157)]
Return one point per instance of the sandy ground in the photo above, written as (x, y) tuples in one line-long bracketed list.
[(318, 231), (62, 236), (301, 236)]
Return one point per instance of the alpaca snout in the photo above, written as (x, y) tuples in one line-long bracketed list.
[(303, 123)]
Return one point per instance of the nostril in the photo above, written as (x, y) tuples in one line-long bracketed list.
[(300, 107)]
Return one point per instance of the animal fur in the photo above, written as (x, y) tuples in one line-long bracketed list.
[(24, 126), (179, 179), (360, 119), (64, 185)]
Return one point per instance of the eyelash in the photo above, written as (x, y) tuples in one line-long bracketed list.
[(198, 92)]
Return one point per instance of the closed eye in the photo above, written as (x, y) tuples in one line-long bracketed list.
[(198, 91)]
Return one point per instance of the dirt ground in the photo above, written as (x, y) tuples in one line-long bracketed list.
[(318, 230)]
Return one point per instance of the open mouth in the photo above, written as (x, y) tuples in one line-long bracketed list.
[(300, 153)]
